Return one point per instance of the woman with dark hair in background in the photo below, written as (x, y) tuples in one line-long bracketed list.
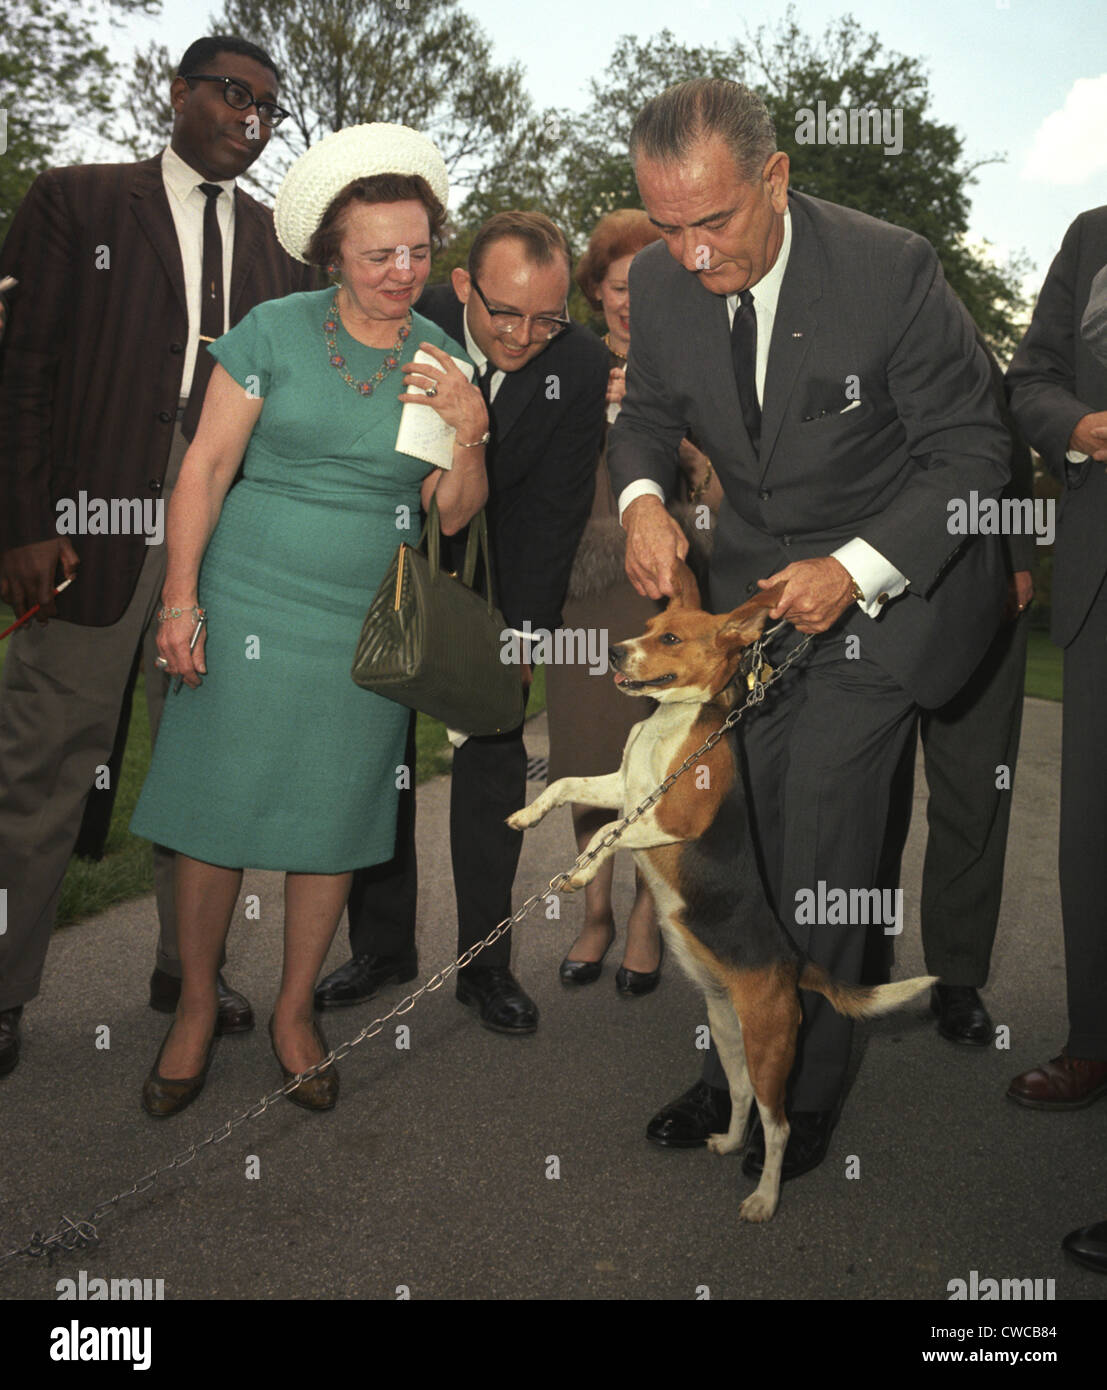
[(589, 719)]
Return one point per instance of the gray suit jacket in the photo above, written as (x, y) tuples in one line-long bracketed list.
[(859, 298), (1054, 380)]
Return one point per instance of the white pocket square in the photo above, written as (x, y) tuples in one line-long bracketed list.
[(852, 406)]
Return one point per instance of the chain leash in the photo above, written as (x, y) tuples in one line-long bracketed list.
[(80, 1235)]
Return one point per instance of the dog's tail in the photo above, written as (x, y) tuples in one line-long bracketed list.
[(862, 1001)]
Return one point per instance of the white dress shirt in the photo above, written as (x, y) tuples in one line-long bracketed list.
[(873, 574), (187, 204), (480, 360)]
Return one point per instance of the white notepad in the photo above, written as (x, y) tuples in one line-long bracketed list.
[(423, 434)]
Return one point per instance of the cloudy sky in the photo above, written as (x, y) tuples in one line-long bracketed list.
[(1026, 79)]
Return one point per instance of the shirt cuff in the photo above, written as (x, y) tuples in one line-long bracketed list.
[(643, 487), (1075, 456), (876, 577)]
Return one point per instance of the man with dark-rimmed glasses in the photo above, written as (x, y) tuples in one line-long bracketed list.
[(545, 379), (124, 271)]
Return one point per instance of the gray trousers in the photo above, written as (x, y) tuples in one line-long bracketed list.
[(61, 693)]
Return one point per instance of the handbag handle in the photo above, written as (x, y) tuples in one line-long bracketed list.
[(477, 540)]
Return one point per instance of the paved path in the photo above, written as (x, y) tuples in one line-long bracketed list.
[(433, 1172)]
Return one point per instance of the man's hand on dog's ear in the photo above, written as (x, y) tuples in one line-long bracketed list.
[(816, 593), (654, 544)]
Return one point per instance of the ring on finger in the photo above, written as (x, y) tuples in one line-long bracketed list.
[(432, 390), (161, 663)]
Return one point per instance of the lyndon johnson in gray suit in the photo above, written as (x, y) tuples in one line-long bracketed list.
[(873, 412)]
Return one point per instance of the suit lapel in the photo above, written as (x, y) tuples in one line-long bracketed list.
[(151, 208), (793, 330), (515, 392), (249, 237)]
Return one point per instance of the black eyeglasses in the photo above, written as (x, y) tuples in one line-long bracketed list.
[(238, 95), (506, 321)]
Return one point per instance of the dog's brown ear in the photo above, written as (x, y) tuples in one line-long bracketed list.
[(686, 592), (748, 622)]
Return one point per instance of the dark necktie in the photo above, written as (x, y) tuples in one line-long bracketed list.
[(211, 310), (743, 352), (484, 381)]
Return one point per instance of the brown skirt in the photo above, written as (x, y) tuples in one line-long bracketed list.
[(589, 719)]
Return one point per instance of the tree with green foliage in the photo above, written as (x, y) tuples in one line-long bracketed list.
[(924, 188), (55, 90)]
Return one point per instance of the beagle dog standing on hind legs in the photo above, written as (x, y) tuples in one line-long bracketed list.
[(695, 849)]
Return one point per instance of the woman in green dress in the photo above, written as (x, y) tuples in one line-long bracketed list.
[(272, 757)]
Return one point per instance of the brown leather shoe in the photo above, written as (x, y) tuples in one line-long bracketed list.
[(1065, 1083), (236, 1014), (320, 1092), (163, 1096)]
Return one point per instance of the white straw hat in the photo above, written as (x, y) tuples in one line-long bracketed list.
[(359, 151)]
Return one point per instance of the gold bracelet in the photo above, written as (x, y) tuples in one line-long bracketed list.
[(484, 439), (702, 486), (164, 614)]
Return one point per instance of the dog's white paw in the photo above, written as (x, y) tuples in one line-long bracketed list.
[(723, 1144), (523, 820), (757, 1207)]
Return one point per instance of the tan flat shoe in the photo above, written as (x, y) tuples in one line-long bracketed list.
[(163, 1096), (320, 1092)]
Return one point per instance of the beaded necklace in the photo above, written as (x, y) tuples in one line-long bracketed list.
[(613, 350), (338, 362)]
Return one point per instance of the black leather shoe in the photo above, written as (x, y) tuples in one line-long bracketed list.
[(236, 1014), (163, 1096), (1088, 1246), (687, 1121), (806, 1147), (504, 1005), (962, 1017), (9, 1039), (633, 982), (584, 972), (360, 978)]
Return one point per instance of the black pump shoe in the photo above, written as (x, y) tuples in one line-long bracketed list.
[(632, 982), (584, 972)]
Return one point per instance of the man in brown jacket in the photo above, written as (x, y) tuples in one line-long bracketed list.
[(124, 271)]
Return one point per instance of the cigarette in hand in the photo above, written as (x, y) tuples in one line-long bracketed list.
[(30, 613)]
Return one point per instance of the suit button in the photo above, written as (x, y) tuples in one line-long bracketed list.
[(155, 485), (751, 586), (765, 494), (176, 347), (165, 417), (786, 540)]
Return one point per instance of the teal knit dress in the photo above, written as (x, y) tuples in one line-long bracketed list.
[(278, 760)]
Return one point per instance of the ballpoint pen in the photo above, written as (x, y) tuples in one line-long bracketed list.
[(192, 647)]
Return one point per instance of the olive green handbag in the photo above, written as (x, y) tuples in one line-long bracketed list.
[(431, 642)]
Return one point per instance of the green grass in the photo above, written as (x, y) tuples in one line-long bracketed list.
[(1043, 667), (126, 870)]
